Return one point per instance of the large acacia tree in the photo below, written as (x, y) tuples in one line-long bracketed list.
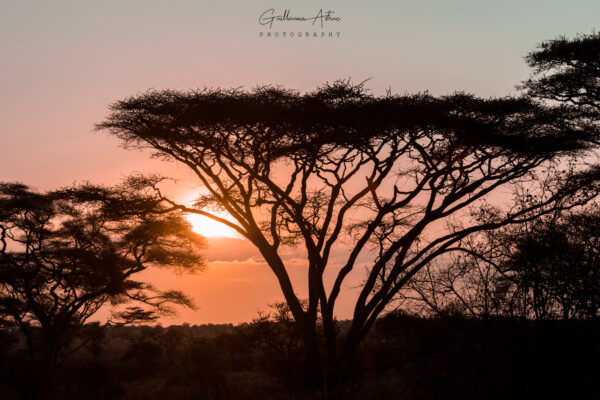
[(397, 180)]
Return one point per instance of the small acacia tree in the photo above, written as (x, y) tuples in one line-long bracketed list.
[(274, 334), (66, 253), (567, 71), (547, 269), (383, 176), (554, 266)]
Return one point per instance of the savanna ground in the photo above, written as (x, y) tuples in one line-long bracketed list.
[(404, 357)]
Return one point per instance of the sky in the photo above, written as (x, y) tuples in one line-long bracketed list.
[(62, 63)]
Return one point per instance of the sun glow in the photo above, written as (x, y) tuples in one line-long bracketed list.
[(210, 228)]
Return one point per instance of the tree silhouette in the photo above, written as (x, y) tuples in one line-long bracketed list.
[(274, 334), (340, 167), (547, 269), (567, 71), (467, 286), (556, 266), (553, 265), (66, 253)]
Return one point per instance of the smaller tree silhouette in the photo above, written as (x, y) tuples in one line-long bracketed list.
[(568, 71), (66, 253), (547, 269), (275, 336), (555, 264)]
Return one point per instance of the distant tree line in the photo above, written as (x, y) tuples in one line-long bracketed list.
[(403, 357)]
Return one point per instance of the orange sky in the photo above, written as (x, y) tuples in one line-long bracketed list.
[(238, 283), (62, 64)]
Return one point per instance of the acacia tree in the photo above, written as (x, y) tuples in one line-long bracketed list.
[(567, 71), (338, 166), (66, 253), (541, 270), (554, 265), (546, 268)]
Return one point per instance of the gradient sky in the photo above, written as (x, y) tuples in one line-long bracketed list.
[(63, 62)]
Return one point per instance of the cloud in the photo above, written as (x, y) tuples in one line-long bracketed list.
[(225, 249)]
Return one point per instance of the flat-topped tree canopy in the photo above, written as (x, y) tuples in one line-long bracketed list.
[(381, 171), (280, 122), (567, 71)]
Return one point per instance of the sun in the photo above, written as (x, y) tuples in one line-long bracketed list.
[(209, 228)]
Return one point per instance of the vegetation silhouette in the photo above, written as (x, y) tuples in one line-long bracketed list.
[(547, 269), (402, 357), (567, 71), (66, 253), (401, 184), (341, 166), (543, 269)]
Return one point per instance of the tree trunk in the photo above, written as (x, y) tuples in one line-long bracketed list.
[(313, 370), (47, 365)]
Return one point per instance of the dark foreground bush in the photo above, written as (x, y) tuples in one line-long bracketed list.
[(404, 358)]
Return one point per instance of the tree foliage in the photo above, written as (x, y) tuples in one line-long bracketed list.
[(547, 269), (399, 180), (568, 71), (555, 265), (66, 253)]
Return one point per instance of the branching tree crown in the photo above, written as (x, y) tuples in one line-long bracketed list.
[(546, 269), (567, 71), (66, 253), (381, 173)]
